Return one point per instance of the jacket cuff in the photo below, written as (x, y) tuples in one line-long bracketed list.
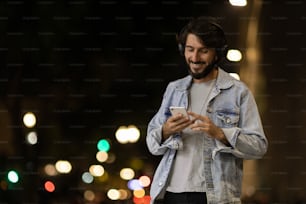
[(173, 142)]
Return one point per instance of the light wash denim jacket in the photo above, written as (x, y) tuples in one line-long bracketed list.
[(231, 107)]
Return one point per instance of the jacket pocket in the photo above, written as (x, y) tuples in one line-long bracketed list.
[(227, 118)]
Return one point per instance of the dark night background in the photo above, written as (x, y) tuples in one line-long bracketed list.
[(87, 67)]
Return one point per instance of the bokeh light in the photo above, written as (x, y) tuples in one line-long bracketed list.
[(144, 181), (134, 184), (133, 133), (49, 186), (96, 170), (13, 176), (63, 166), (139, 193), (238, 2), (102, 156), (127, 173), (235, 75), (124, 194), (103, 145), (31, 138), (143, 200), (234, 55), (87, 177), (29, 120), (89, 195), (50, 170), (127, 134), (113, 194), (111, 158)]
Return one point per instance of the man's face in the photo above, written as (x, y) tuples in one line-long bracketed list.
[(200, 59)]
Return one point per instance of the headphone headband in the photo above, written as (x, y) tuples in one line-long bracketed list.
[(209, 31)]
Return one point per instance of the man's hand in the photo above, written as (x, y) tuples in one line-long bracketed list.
[(203, 123), (175, 124)]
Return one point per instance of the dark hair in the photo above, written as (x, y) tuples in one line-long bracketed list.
[(208, 30)]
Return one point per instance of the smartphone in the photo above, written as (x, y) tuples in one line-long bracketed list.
[(176, 110)]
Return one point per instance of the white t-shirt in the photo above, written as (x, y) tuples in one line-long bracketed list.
[(188, 169)]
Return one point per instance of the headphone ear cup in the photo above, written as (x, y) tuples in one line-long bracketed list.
[(224, 50), (221, 52), (181, 48)]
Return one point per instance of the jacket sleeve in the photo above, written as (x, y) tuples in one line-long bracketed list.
[(248, 140), (154, 131)]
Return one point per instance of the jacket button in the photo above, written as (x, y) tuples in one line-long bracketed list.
[(228, 120), (160, 183)]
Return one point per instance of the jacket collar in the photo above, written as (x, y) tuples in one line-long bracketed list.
[(223, 81)]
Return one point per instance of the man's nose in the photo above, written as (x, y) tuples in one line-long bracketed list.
[(195, 56)]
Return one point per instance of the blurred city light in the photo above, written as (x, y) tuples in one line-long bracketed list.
[(89, 195), (235, 75), (144, 181), (31, 138), (121, 135), (87, 177), (113, 194), (49, 186), (134, 184), (234, 55), (133, 133), (63, 166), (102, 156), (143, 200), (127, 134), (238, 2), (12, 176), (124, 194), (29, 120), (127, 173), (111, 158), (103, 145), (50, 170), (139, 193), (96, 170)]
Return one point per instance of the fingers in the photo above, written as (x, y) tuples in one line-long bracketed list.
[(175, 124), (177, 117), (179, 123), (197, 123), (198, 118), (201, 123)]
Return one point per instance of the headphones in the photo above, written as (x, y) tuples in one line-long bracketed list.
[(214, 31)]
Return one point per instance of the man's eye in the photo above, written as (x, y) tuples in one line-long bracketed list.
[(204, 50)]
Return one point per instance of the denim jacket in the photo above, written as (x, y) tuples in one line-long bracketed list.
[(231, 107)]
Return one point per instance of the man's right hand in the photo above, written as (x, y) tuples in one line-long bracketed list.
[(175, 124)]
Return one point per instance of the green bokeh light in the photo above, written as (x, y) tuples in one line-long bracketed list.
[(103, 145)]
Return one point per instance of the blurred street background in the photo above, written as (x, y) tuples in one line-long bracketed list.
[(80, 80)]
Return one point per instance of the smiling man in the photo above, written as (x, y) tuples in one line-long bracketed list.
[(203, 153)]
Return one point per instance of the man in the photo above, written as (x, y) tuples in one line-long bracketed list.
[(203, 153)]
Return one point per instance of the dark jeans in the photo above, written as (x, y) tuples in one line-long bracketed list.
[(185, 198)]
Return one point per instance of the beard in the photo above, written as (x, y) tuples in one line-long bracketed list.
[(205, 72)]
